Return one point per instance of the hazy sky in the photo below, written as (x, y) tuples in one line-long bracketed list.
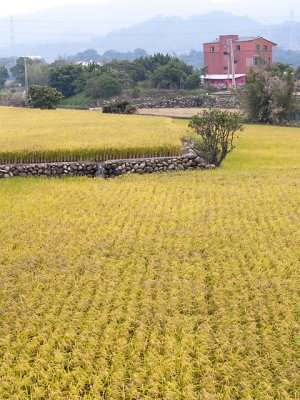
[(14, 7), (267, 10)]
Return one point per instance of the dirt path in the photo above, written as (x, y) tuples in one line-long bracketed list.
[(173, 112)]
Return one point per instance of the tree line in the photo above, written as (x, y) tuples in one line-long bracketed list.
[(106, 80), (268, 97)]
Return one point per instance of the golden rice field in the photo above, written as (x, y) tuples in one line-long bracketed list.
[(67, 135), (168, 286)]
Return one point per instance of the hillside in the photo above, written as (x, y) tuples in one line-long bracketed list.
[(165, 34)]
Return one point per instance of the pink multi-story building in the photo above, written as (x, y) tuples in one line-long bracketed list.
[(231, 57)]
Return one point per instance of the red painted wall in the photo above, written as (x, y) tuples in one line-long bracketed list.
[(217, 60)]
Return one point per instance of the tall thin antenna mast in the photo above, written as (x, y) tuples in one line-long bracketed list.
[(12, 33)]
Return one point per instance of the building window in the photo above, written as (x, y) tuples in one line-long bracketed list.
[(266, 48), (256, 61), (212, 49), (257, 47), (238, 47), (249, 62), (226, 53), (235, 61), (226, 68)]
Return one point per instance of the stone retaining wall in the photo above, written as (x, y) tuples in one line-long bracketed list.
[(226, 101), (187, 161), (49, 169)]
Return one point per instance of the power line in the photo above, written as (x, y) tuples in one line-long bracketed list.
[(123, 33), (12, 33), (156, 21)]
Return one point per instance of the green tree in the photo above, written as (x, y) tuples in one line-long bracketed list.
[(151, 63), (279, 69), (43, 97), (269, 98), (193, 81), (256, 99), (217, 130), (203, 71), (104, 87), (128, 73), (171, 75), (113, 55), (3, 75), (67, 78), (89, 55), (8, 62), (194, 58), (18, 70), (37, 71)]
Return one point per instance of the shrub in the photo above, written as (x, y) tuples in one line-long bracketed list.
[(217, 130), (43, 97), (119, 107)]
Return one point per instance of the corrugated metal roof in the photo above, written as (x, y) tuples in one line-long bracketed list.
[(222, 76)]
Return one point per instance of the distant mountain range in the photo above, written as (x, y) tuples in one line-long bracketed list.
[(160, 34)]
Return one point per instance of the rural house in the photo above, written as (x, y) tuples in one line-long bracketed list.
[(229, 58)]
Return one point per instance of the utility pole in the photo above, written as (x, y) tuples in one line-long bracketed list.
[(26, 76), (232, 63), (228, 60)]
